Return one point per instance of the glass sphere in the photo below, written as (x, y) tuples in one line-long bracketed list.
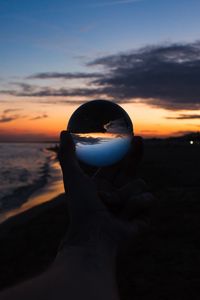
[(102, 132)]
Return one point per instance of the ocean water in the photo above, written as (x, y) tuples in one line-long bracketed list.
[(24, 167)]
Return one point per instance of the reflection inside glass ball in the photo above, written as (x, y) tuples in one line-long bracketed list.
[(102, 132)]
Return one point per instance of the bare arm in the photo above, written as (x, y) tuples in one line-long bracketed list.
[(85, 266), (77, 273)]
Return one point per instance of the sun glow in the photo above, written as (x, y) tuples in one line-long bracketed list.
[(147, 121)]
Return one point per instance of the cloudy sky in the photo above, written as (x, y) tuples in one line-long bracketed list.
[(55, 55)]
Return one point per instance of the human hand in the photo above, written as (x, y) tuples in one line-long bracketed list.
[(111, 205)]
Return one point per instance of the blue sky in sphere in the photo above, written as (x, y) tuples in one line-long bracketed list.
[(104, 153)]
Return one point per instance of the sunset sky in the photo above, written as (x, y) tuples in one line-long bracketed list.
[(57, 54)]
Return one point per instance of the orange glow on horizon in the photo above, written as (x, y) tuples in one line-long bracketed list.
[(147, 121)]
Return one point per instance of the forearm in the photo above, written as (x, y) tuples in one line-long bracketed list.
[(90, 272), (78, 272)]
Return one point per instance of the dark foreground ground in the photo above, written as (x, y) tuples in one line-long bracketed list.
[(163, 265)]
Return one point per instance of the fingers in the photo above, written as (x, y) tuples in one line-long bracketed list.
[(135, 218), (121, 172), (116, 200), (138, 206), (128, 167), (133, 187), (124, 231), (134, 229), (111, 201)]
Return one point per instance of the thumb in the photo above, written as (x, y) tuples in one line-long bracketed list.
[(66, 151)]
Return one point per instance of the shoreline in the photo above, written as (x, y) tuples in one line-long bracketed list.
[(48, 187), (28, 215), (154, 265), (30, 241), (163, 263)]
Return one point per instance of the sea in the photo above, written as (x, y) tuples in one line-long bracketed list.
[(25, 168)]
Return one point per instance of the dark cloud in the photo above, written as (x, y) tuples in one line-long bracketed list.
[(55, 75), (28, 88), (69, 102), (44, 116), (185, 117), (22, 87), (165, 76), (72, 102), (5, 119), (48, 91), (86, 139), (116, 126), (10, 110), (7, 115)]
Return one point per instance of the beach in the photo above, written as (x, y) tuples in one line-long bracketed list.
[(163, 264), (29, 174), (43, 192)]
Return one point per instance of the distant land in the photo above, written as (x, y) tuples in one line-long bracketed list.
[(193, 137)]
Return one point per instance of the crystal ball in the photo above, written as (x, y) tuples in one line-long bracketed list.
[(102, 132)]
